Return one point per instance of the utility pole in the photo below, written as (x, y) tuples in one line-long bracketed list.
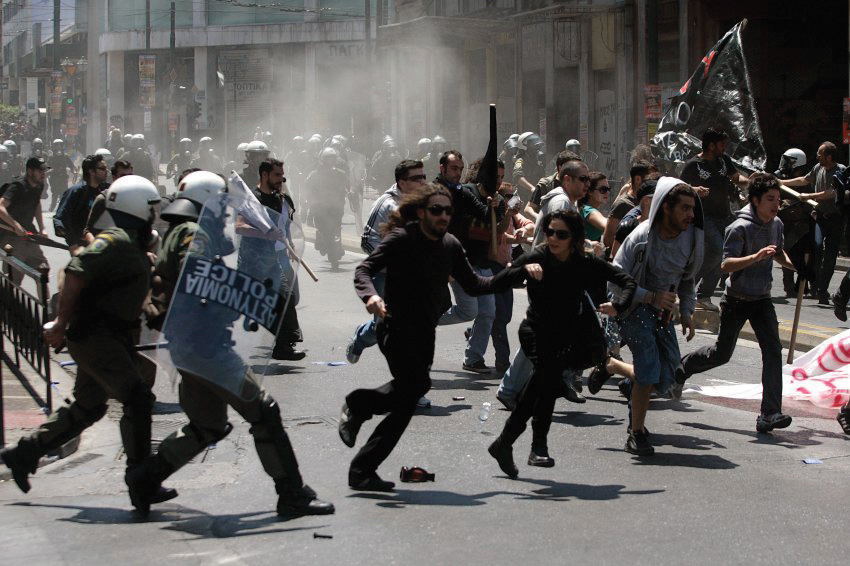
[(147, 25), (57, 12)]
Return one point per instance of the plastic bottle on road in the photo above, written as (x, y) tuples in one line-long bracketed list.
[(485, 411)]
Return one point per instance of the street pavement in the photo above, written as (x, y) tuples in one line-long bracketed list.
[(715, 492)]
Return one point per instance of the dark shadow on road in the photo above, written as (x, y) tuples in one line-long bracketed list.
[(661, 458), (464, 381), (683, 441), (559, 491), (276, 369), (439, 411), (182, 519), (164, 408), (401, 498), (671, 405), (795, 438), (582, 419)]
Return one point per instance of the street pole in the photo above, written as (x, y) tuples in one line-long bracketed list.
[(147, 25), (57, 12), (172, 42)]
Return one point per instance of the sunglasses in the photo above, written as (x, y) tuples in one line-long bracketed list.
[(603, 189), (416, 178), (560, 234), (438, 210), (583, 178)]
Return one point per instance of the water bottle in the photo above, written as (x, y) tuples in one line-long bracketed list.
[(485, 411)]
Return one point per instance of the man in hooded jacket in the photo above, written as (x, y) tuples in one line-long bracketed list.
[(664, 256)]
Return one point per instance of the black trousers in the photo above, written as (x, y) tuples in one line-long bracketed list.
[(538, 398), (733, 314), (409, 353)]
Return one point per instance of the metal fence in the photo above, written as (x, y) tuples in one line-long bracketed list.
[(22, 315)]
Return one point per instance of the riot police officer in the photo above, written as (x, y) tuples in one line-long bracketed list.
[(62, 172), (181, 161), (206, 159), (16, 164), (382, 172), (432, 160), (423, 148), (99, 305), (37, 147), (327, 188), (202, 397), (255, 153), (529, 166), (141, 159)]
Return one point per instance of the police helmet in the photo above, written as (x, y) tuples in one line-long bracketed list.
[(194, 190), (792, 159), (573, 145), (129, 203), (528, 140), (37, 142), (329, 155), (257, 146)]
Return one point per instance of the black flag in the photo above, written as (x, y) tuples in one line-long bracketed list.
[(488, 173), (717, 94)]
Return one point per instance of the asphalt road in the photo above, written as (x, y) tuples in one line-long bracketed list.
[(716, 492)]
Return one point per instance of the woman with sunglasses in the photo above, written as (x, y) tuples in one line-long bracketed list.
[(589, 205), (559, 275)]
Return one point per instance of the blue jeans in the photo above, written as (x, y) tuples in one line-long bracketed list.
[(710, 273), (482, 309), (654, 347), (504, 312), (364, 336)]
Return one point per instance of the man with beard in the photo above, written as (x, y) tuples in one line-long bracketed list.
[(419, 257), (20, 210)]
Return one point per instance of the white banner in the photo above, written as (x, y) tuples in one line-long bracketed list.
[(820, 376)]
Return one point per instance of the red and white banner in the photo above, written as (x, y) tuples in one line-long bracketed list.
[(820, 376)]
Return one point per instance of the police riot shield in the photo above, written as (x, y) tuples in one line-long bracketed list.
[(236, 283)]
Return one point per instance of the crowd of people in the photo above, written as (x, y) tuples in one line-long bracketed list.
[(447, 244)]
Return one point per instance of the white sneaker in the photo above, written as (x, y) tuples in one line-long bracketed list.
[(424, 403)]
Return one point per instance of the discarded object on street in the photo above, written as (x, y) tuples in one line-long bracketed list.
[(458, 398), (812, 461), (319, 535), (415, 475), (331, 364)]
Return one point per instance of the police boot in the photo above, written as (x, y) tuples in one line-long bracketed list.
[(278, 460), (23, 461), (539, 455), (144, 483)]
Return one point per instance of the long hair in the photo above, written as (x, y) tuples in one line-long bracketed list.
[(575, 225), (407, 210), (596, 177)]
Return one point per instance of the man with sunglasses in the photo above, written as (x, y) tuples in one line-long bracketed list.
[(409, 175), (73, 211), (419, 256), (470, 223)]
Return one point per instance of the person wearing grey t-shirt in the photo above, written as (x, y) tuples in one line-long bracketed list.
[(753, 242)]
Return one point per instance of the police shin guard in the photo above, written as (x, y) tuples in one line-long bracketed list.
[(278, 459)]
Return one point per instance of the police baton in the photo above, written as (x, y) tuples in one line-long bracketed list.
[(298, 259)]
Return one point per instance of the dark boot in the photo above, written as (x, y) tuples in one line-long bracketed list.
[(144, 483), (23, 461), (503, 453), (300, 501)]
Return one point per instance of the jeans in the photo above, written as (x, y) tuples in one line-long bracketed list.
[(827, 242), (499, 333), (710, 274), (364, 336), (733, 314), (654, 347), (482, 309)]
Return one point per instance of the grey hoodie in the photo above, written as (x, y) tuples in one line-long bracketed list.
[(632, 255), (746, 236), (380, 214), (556, 199)]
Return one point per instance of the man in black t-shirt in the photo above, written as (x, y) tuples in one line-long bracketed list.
[(19, 206), (270, 193), (714, 177)]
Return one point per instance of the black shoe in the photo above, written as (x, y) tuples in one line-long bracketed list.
[(539, 460), (164, 494), (766, 423), (625, 387), (571, 393), (288, 353), (302, 502), (370, 482), (20, 469), (638, 444), (477, 367), (504, 456), (597, 379), (349, 426), (823, 299), (839, 307)]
